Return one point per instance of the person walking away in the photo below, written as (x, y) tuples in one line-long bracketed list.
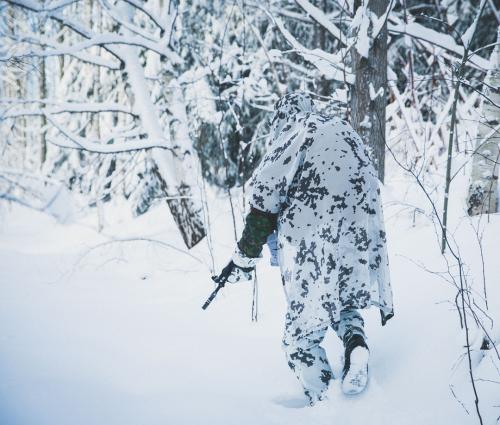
[(316, 187)]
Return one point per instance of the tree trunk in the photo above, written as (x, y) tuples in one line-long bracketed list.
[(320, 36), (169, 163), (187, 210), (172, 165), (368, 114), (483, 189), (42, 87)]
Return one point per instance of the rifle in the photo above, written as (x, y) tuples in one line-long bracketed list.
[(221, 280), (212, 296)]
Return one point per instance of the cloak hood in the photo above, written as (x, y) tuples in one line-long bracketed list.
[(286, 110)]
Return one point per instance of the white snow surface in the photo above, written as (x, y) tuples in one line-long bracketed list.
[(116, 335)]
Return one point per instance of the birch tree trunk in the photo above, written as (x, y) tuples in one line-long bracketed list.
[(187, 209), (483, 189), (369, 91), (169, 163), (170, 170)]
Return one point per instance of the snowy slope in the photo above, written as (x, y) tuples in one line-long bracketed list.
[(117, 336)]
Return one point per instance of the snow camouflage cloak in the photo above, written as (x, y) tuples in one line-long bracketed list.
[(318, 178)]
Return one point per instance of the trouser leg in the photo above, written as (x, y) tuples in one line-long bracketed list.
[(308, 361), (351, 323)]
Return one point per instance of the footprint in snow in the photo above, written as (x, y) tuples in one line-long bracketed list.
[(292, 401)]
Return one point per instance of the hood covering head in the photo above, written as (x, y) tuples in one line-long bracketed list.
[(286, 109)]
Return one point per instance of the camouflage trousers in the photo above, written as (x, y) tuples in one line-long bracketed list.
[(307, 358)]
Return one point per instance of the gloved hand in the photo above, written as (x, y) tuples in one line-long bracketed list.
[(232, 274), (239, 269)]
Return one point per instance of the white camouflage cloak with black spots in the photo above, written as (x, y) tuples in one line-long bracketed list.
[(317, 176)]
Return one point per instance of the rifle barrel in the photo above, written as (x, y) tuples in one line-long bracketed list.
[(212, 296)]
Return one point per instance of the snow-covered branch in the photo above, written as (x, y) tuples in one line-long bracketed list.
[(319, 16), (77, 142), (61, 108), (106, 40), (431, 37), (330, 65)]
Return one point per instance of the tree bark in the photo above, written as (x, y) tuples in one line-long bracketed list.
[(323, 83), (483, 189), (368, 115), (187, 210), (42, 87)]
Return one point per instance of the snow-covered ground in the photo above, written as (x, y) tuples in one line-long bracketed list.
[(116, 334)]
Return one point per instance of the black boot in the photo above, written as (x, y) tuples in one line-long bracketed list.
[(355, 374)]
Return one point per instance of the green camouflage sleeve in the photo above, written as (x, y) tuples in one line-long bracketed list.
[(258, 226)]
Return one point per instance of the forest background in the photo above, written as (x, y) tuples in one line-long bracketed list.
[(139, 103)]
